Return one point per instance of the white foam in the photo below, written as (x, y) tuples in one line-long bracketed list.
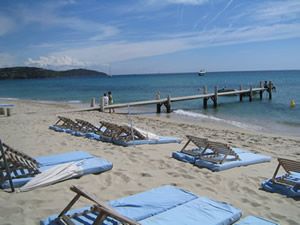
[(213, 118), (74, 101), (9, 99)]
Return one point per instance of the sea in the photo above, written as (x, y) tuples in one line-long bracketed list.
[(276, 115)]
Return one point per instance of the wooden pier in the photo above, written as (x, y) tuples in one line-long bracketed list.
[(159, 102)]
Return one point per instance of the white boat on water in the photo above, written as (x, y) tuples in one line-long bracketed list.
[(202, 72)]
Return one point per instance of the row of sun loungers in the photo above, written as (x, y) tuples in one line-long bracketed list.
[(163, 205), (17, 168), (123, 135)]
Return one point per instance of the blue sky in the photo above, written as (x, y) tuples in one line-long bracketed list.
[(151, 36)]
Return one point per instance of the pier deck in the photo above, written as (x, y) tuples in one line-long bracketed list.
[(205, 96)]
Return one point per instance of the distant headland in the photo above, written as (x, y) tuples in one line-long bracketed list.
[(35, 72)]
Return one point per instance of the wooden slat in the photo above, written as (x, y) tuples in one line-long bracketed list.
[(289, 165), (16, 163), (102, 208)]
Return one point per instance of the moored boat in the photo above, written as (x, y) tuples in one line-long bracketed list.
[(202, 72)]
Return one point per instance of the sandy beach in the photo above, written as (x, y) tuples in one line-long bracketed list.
[(139, 168)]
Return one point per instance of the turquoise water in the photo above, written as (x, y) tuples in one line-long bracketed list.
[(275, 115)]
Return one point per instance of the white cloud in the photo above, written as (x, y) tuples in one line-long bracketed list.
[(55, 61), (122, 51), (183, 2), (6, 25), (278, 11), (187, 2)]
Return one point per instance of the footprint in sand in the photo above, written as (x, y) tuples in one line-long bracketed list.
[(198, 185), (187, 176), (292, 222), (173, 174), (124, 177), (146, 175), (108, 180), (280, 217)]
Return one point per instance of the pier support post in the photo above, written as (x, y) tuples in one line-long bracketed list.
[(250, 94), (205, 99), (215, 98), (168, 104), (8, 112), (260, 92), (270, 87), (158, 105), (241, 95), (101, 104), (93, 102)]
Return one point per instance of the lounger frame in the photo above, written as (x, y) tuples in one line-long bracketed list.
[(66, 123), (289, 166), (99, 208), (212, 151), (87, 127), (14, 162), (201, 143)]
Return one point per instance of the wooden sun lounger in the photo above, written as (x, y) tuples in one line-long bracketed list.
[(211, 151), (15, 162), (66, 123), (289, 166), (201, 143), (87, 127), (123, 132), (110, 129), (219, 152), (127, 133), (100, 209)]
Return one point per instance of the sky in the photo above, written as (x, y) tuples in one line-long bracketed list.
[(151, 36)]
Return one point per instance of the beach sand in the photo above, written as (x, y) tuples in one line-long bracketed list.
[(139, 168)]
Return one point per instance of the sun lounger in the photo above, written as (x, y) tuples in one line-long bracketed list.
[(126, 135), (287, 184), (64, 124), (217, 156), (17, 168), (166, 205), (253, 220)]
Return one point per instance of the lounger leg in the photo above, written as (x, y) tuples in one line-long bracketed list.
[(186, 145), (69, 206), (7, 168), (99, 220), (276, 171)]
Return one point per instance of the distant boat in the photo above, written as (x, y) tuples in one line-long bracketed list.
[(202, 72)]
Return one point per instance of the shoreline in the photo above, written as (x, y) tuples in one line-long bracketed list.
[(205, 120)]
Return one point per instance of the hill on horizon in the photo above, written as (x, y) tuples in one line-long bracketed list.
[(36, 72)]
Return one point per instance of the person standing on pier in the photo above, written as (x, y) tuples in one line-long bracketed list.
[(110, 101), (105, 99)]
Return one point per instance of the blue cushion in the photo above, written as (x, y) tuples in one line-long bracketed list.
[(166, 205), (289, 191), (246, 158), (89, 164)]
